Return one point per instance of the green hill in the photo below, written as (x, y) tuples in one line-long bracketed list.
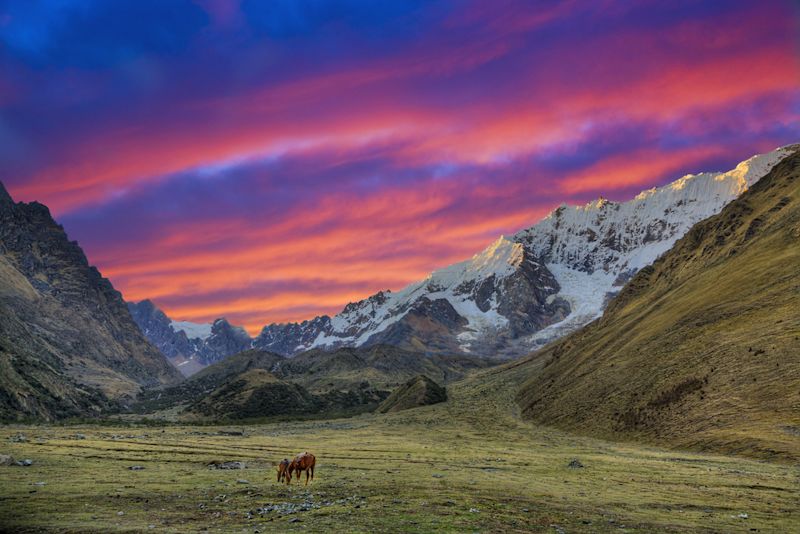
[(419, 391), (699, 350)]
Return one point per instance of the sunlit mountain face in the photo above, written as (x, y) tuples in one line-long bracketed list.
[(272, 161)]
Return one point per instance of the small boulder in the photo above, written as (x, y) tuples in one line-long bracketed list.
[(7, 459), (227, 465), (575, 464), (27, 462), (136, 467)]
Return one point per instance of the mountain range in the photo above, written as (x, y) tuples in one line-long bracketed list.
[(520, 293)]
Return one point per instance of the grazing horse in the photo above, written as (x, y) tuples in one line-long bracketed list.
[(302, 462), (283, 470)]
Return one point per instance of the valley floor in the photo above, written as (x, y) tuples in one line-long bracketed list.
[(467, 465)]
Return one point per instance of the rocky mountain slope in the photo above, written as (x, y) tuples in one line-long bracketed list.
[(68, 345), (535, 286), (189, 346), (701, 349)]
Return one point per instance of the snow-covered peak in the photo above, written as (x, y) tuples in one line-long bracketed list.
[(193, 330), (499, 259), (615, 237)]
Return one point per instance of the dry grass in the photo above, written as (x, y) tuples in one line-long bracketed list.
[(420, 470)]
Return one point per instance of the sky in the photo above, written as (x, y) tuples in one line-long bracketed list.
[(272, 161)]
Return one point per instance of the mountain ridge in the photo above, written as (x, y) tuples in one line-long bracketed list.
[(68, 345), (582, 255)]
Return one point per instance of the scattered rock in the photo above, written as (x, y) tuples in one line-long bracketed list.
[(743, 516), (295, 520), (120, 513), (136, 467), (474, 510), (575, 464), (79, 436), (6, 459), (227, 465), (19, 438), (27, 462), (230, 433), (437, 475), (39, 483), (242, 481)]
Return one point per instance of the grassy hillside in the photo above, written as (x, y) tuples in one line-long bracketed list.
[(419, 391), (256, 393), (700, 350), (381, 366)]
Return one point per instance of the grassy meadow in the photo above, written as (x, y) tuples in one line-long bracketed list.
[(467, 465)]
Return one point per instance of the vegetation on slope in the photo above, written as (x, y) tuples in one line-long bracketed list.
[(316, 382), (419, 391), (381, 366), (701, 349)]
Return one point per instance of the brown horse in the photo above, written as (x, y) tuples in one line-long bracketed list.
[(302, 462), (283, 468)]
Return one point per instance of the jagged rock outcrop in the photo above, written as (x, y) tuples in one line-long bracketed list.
[(157, 327), (289, 338), (189, 346), (68, 345)]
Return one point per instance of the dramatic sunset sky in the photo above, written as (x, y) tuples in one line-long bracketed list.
[(273, 160)]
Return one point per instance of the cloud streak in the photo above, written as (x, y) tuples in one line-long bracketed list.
[(272, 161)]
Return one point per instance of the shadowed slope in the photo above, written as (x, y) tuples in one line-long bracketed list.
[(702, 349), (67, 341)]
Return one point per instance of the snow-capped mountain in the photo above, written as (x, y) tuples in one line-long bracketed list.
[(539, 284), (189, 346)]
